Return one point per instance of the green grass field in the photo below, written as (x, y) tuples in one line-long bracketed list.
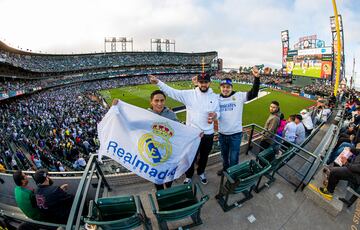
[(254, 112)]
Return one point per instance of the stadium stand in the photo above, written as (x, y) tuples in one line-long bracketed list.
[(49, 117)]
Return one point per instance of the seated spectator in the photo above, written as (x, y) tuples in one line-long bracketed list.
[(350, 172), (300, 130), (37, 162), (345, 135), (53, 201), (336, 152), (356, 117), (80, 163), (307, 121), (13, 164), (59, 166), (25, 197)]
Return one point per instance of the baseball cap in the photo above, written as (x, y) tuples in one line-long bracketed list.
[(40, 176), (226, 81), (204, 77), (303, 111)]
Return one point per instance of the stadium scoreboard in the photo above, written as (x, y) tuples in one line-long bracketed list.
[(310, 58)]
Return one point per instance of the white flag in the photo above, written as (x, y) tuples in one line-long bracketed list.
[(155, 148)]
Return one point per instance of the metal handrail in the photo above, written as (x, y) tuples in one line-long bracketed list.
[(80, 196), (278, 137), (298, 148)]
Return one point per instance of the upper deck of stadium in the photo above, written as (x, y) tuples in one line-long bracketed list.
[(55, 63)]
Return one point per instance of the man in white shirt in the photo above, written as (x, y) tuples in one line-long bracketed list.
[(230, 121), (202, 108), (307, 121), (322, 115)]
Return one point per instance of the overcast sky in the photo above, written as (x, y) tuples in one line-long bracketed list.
[(244, 32)]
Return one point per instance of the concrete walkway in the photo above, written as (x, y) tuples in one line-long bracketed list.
[(277, 207)]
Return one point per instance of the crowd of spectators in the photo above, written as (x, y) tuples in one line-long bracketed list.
[(10, 84), (61, 63), (56, 128), (343, 163), (248, 78), (319, 88)]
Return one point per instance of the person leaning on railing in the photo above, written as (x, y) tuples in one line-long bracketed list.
[(53, 201), (25, 197)]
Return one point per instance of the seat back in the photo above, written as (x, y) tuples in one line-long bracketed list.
[(245, 175), (115, 208), (178, 202), (118, 213), (176, 197), (269, 156)]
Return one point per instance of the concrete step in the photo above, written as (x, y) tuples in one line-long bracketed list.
[(331, 205)]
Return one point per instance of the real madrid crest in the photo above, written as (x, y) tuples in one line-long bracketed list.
[(155, 147), (233, 98)]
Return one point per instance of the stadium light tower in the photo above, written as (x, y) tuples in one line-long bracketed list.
[(115, 41), (159, 43)]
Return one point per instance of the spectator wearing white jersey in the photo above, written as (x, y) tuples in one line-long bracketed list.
[(202, 108), (230, 121)]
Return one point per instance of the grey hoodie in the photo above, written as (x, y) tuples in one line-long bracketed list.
[(166, 113)]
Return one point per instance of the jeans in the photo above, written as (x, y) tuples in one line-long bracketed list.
[(230, 149), (334, 154), (204, 150)]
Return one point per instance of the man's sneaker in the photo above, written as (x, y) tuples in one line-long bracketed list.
[(187, 181), (203, 179), (220, 172), (326, 193)]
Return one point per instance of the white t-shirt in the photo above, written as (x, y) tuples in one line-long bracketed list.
[(307, 121), (290, 131), (231, 110), (198, 105)]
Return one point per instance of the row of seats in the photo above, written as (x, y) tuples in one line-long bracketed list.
[(127, 212), (183, 201)]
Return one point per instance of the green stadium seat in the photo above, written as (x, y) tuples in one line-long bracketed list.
[(268, 156), (121, 212), (178, 202), (241, 178)]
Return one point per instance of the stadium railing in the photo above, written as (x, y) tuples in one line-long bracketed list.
[(92, 169), (291, 167)]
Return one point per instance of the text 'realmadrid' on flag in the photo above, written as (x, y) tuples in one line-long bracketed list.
[(153, 147)]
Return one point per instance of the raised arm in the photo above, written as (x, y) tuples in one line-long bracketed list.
[(256, 85), (179, 95)]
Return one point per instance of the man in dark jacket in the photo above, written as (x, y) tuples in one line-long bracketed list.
[(350, 172), (53, 201), (271, 124)]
